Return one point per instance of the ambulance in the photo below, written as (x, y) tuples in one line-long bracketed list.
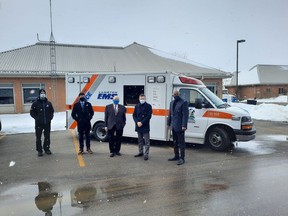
[(211, 121)]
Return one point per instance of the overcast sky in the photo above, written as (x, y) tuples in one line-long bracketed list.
[(204, 31)]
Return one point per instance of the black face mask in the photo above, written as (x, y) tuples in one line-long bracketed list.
[(82, 99), (176, 98)]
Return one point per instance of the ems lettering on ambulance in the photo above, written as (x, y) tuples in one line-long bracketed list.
[(106, 95)]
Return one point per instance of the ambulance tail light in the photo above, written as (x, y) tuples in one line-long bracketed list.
[(190, 80)]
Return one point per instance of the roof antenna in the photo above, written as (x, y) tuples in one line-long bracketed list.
[(52, 39)]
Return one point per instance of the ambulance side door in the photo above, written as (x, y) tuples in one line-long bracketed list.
[(196, 123)]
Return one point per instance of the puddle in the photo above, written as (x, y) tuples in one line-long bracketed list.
[(42, 199)]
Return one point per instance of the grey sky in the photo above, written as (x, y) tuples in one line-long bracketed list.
[(204, 31)]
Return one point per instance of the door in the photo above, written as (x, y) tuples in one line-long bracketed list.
[(195, 132)]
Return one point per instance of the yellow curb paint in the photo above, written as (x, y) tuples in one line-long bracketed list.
[(80, 157)]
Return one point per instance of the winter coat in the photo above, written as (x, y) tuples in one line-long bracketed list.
[(42, 111), (83, 116), (178, 117), (142, 113)]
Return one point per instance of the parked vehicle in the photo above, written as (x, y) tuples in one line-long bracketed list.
[(211, 120)]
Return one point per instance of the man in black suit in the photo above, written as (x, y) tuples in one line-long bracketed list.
[(115, 120), (178, 119), (82, 113)]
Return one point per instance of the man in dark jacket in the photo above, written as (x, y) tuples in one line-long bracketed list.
[(115, 120), (142, 115), (82, 113), (178, 119), (42, 111)]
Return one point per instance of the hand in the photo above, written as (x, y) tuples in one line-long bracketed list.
[(105, 128), (139, 124), (183, 128)]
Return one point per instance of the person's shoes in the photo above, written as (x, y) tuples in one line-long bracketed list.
[(145, 157), (180, 161), (139, 155), (118, 153), (173, 159), (40, 154), (80, 152), (89, 151), (48, 152), (112, 154)]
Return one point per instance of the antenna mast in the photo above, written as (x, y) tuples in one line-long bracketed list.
[(53, 62)]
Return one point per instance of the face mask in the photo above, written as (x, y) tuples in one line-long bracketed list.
[(115, 102), (176, 98), (142, 101), (82, 99), (42, 96)]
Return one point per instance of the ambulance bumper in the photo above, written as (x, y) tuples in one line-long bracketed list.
[(245, 136)]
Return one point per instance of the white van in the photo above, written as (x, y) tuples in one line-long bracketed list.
[(211, 120)]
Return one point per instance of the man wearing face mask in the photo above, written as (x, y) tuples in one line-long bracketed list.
[(42, 111), (177, 120), (82, 113), (115, 120), (141, 116)]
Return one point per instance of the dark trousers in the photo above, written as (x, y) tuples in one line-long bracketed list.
[(115, 140), (81, 139), (179, 143), (39, 128)]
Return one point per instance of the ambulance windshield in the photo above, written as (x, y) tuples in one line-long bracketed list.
[(213, 98)]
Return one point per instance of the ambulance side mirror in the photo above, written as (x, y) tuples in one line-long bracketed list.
[(198, 103)]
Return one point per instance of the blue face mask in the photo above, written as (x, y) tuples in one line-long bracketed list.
[(115, 102)]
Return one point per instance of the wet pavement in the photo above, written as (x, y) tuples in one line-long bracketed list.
[(251, 179)]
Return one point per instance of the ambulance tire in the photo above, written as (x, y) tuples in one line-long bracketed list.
[(99, 132), (218, 139)]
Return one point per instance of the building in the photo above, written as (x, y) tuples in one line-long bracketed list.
[(261, 81), (23, 71)]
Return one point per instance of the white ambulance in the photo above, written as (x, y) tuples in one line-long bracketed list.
[(211, 120)]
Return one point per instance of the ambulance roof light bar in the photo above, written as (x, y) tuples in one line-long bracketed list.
[(190, 80)]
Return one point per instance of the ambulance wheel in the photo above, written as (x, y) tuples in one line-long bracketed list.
[(218, 139), (99, 132)]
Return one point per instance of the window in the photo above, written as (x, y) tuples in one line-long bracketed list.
[(190, 95), (268, 90), (131, 95), (31, 92), (281, 91), (6, 93)]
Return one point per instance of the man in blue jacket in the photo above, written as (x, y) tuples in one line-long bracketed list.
[(178, 119), (142, 115), (42, 111)]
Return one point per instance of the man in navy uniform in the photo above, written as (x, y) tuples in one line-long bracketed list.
[(82, 113), (178, 120), (42, 111)]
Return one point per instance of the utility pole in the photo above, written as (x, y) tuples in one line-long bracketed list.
[(53, 63)]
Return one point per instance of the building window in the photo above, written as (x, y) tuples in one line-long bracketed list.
[(6, 94), (268, 90), (212, 87), (281, 91), (31, 92), (131, 95)]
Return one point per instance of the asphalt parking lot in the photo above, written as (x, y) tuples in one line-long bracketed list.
[(248, 180)]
